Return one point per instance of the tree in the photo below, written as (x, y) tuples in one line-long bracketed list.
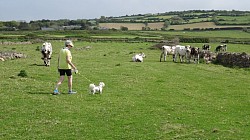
[(11, 24), (176, 20), (102, 19), (166, 24), (23, 26), (124, 28), (1, 24), (34, 26)]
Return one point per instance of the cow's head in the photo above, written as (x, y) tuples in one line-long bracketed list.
[(188, 48)]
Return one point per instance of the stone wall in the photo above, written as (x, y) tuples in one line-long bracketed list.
[(11, 55), (14, 43), (241, 60)]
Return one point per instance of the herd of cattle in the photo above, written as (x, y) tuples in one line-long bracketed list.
[(186, 53)]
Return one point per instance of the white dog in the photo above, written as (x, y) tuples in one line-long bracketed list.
[(96, 89), (138, 57)]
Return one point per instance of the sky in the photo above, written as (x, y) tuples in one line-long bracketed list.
[(28, 10)]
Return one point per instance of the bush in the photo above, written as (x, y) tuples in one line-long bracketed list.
[(23, 73), (194, 40)]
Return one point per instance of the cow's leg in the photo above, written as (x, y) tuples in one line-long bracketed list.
[(198, 59), (165, 57), (48, 60), (161, 56), (45, 60), (175, 57), (188, 58), (45, 63), (48, 63)]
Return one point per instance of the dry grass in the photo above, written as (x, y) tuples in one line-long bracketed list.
[(157, 25), (193, 25), (130, 26)]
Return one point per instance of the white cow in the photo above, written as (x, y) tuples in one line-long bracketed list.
[(138, 57), (167, 50), (182, 51), (46, 51)]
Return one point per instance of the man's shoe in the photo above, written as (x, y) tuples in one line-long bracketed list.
[(72, 92), (56, 92)]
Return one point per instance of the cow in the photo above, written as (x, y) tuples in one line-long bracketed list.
[(167, 50), (195, 54), (46, 51), (182, 51), (138, 57), (221, 48), (206, 47)]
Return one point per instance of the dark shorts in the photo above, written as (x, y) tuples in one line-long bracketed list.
[(63, 71)]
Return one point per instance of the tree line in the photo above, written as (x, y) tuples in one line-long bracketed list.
[(62, 24), (177, 18)]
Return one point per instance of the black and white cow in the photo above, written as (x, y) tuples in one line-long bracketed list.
[(221, 48), (206, 47), (46, 51), (195, 54)]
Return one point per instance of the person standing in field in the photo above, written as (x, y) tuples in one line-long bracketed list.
[(65, 66)]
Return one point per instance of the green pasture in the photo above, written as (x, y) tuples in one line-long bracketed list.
[(209, 34), (199, 20), (234, 19), (222, 35), (165, 17), (149, 100)]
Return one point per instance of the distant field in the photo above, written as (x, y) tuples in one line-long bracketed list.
[(200, 25), (130, 26), (200, 20), (233, 19), (159, 25), (194, 25), (209, 34)]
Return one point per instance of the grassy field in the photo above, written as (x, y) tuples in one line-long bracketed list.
[(209, 34), (214, 36), (233, 19), (149, 100), (159, 25)]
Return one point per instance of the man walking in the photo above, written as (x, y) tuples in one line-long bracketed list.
[(65, 66)]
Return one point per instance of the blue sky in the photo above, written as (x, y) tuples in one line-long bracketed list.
[(89, 9)]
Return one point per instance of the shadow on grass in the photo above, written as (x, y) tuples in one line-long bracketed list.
[(37, 65), (46, 93), (39, 92)]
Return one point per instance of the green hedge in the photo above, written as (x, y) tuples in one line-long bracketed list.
[(194, 40)]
